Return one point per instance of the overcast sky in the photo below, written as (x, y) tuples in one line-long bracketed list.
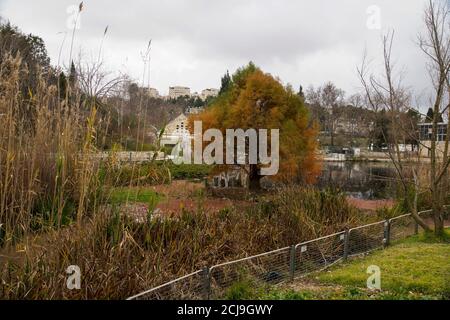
[(196, 41)]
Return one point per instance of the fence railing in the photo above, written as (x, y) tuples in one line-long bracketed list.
[(287, 263)]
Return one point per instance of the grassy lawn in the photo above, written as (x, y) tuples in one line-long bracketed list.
[(134, 194), (417, 268)]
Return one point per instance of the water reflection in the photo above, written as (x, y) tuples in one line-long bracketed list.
[(362, 180)]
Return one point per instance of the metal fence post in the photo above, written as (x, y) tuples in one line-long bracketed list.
[(206, 283), (387, 232), (416, 228), (346, 236), (292, 262)]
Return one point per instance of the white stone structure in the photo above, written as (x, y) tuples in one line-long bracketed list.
[(153, 92), (175, 131), (425, 130), (178, 91), (210, 92), (191, 110)]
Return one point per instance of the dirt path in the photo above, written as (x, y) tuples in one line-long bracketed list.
[(181, 195), (190, 196)]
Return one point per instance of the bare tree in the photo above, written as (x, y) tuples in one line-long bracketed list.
[(388, 93), (356, 101), (95, 82), (435, 43), (331, 99)]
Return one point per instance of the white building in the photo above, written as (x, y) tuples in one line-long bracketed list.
[(426, 135), (153, 92), (178, 91), (210, 92), (191, 110), (195, 95), (175, 131)]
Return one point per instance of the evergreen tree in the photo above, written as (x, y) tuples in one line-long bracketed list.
[(300, 93), (430, 116), (381, 130), (33, 55), (226, 82), (72, 76), (62, 85)]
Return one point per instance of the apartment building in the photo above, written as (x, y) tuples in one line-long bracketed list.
[(153, 92), (425, 131), (210, 92), (178, 91)]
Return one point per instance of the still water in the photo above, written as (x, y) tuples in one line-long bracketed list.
[(362, 180)]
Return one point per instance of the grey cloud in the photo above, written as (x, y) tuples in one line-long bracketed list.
[(195, 41)]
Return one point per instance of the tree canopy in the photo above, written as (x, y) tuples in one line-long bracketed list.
[(225, 83), (430, 116), (32, 51), (256, 100)]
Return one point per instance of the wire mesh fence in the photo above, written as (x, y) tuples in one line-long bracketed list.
[(287, 263), (267, 268), (190, 287), (402, 227), (428, 218), (318, 254), (366, 238)]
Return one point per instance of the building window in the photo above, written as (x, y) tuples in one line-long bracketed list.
[(426, 132)]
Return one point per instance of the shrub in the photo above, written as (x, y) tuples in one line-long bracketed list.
[(189, 171)]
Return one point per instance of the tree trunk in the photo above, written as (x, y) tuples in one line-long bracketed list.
[(413, 206), (254, 178), (438, 215)]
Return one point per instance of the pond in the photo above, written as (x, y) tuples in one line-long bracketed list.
[(362, 180)]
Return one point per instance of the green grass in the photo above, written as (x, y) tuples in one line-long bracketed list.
[(189, 171), (408, 269), (143, 195), (154, 174), (417, 268)]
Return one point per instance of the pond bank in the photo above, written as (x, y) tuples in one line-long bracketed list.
[(371, 205)]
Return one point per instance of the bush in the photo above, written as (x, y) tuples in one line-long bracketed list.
[(133, 145), (137, 174), (153, 173), (189, 171)]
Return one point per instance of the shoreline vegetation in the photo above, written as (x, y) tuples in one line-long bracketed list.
[(130, 226), (163, 247)]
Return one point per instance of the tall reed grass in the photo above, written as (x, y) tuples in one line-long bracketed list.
[(46, 176), (119, 257)]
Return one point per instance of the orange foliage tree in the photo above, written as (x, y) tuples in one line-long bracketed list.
[(256, 100)]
